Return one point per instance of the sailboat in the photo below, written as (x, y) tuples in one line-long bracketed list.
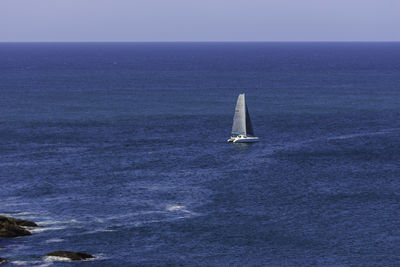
[(242, 129)]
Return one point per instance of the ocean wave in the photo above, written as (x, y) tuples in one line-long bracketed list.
[(17, 247), (29, 263), (54, 240), (364, 134), (53, 222), (19, 163), (51, 259), (175, 208), (24, 213), (55, 258), (17, 214), (102, 230), (178, 208), (165, 213), (16, 204), (19, 263), (43, 229), (164, 220)]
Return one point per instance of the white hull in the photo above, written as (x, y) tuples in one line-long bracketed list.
[(243, 139)]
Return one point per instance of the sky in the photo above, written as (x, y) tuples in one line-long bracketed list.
[(200, 20)]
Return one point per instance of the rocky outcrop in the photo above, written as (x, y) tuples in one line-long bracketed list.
[(25, 223), (10, 227), (75, 256)]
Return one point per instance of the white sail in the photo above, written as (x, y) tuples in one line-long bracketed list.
[(239, 119), (242, 129), (249, 126)]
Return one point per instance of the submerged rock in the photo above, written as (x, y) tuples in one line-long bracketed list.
[(75, 256), (2, 260), (10, 227)]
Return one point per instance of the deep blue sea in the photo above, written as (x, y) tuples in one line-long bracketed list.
[(119, 150)]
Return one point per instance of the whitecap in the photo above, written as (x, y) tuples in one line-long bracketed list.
[(100, 220), (51, 259), (176, 208), (22, 263), (30, 263), (42, 229), (55, 258)]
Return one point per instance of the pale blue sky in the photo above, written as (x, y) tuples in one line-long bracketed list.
[(202, 20)]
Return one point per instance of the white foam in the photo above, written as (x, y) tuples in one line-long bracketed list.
[(19, 262), (99, 231), (51, 222), (175, 208), (22, 213), (55, 258), (100, 220), (42, 229), (349, 136), (28, 263), (51, 259)]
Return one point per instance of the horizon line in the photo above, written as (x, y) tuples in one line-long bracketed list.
[(355, 41)]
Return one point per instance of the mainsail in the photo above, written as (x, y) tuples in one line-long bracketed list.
[(242, 129), (239, 119)]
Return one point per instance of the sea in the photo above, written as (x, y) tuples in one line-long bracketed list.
[(119, 150)]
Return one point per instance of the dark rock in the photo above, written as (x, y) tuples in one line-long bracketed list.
[(20, 222), (75, 256), (26, 223), (2, 260), (10, 228)]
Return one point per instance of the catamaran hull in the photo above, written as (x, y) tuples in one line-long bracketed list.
[(243, 140)]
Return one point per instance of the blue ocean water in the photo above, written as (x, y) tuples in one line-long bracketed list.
[(119, 150)]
